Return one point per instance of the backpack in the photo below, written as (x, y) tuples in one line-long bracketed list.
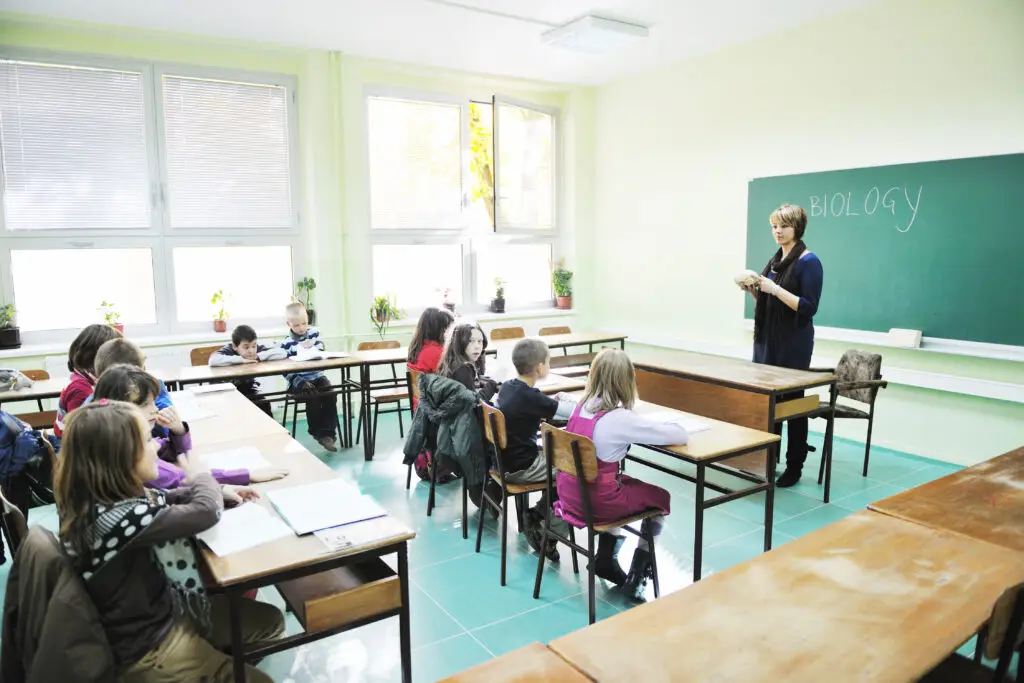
[(25, 465), (445, 472)]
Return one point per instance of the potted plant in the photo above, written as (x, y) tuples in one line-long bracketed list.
[(561, 278), (10, 335), (111, 316), (498, 302), (220, 316), (304, 295), (383, 312)]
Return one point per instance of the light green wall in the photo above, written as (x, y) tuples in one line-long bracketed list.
[(897, 81)]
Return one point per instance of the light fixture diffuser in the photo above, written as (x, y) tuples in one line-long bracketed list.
[(595, 35)]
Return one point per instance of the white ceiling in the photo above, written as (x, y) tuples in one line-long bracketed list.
[(438, 33)]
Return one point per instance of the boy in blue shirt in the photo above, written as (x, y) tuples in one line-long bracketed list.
[(321, 411)]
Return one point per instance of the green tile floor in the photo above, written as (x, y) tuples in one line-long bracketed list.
[(461, 616)]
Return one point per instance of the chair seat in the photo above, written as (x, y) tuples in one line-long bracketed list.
[(392, 395), (516, 489), (626, 521), (845, 411), (572, 371), (43, 420), (959, 669)]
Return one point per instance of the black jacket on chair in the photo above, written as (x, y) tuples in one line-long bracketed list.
[(449, 409)]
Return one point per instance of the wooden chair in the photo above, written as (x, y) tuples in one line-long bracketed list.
[(500, 333), (412, 378), (390, 396), (201, 355), (576, 456), (1003, 637), (549, 331), (14, 525), (497, 436), (43, 419)]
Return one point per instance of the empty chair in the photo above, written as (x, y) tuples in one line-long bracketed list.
[(42, 419), (391, 396), (500, 333)]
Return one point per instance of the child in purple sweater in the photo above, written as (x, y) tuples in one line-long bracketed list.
[(133, 385)]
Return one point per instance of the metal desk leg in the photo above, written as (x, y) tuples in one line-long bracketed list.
[(237, 646), (364, 375), (698, 529), (403, 618), (769, 498)]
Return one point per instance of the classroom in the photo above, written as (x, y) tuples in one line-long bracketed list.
[(511, 340)]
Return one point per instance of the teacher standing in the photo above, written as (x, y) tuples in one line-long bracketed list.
[(786, 297)]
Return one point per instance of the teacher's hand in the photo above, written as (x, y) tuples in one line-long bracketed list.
[(769, 287)]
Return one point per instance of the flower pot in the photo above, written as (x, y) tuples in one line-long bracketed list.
[(497, 305), (312, 316), (10, 338), (220, 325), (563, 302), (379, 317), (119, 327)]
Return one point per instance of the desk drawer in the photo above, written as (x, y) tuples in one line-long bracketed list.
[(343, 596), (796, 406)]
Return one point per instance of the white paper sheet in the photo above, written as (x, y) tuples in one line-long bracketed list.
[(333, 538), (212, 388), (323, 505), (691, 425), (189, 409), (243, 527), (313, 353), (246, 457)]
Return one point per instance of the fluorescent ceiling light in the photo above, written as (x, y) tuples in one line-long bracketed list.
[(595, 35)]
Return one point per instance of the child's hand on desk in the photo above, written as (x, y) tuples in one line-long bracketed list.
[(250, 360), (169, 417), (307, 344), (267, 474), (191, 467), (236, 495)]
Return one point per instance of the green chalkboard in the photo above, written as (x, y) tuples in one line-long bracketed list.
[(935, 246)]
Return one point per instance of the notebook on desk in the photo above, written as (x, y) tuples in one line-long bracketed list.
[(323, 505)]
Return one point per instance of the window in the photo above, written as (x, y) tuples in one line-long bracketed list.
[(146, 186), (461, 193)]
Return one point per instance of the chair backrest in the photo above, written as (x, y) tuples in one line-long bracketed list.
[(1005, 632), (201, 355), (413, 377), (859, 366), (14, 520), (562, 447), (36, 375), (548, 331), (378, 345), (508, 333), (494, 425)]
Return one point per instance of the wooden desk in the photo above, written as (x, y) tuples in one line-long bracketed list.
[(706, 449), (869, 598), (40, 389), (984, 502), (236, 418), (557, 384), (531, 664), (561, 341), (196, 374), (294, 557)]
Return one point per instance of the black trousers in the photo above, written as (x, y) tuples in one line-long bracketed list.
[(322, 412), (796, 442)]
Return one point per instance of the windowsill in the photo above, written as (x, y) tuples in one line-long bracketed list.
[(488, 317), (211, 337)]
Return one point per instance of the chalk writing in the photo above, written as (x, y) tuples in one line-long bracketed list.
[(900, 201)]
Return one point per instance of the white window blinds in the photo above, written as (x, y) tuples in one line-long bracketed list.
[(74, 148), (227, 154), (525, 141), (415, 151)]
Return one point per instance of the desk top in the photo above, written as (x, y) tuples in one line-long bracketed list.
[(531, 664), (558, 341), (721, 439), (293, 551), (41, 388), (204, 373), (737, 373), (985, 502), (869, 598), (235, 417)]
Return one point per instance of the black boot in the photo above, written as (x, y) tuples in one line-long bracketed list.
[(639, 572), (607, 564)]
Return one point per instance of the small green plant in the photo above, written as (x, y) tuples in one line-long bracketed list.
[(111, 316), (499, 288), (7, 313), (304, 292), (561, 278), (383, 312), (218, 300)]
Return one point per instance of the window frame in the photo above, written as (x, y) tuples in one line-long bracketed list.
[(160, 237), (469, 238)]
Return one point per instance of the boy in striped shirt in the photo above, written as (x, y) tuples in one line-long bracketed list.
[(322, 411)]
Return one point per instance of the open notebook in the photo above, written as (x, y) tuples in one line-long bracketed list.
[(323, 505), (241, 528), (303, 354)]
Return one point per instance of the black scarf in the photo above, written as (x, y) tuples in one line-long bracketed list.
[(769, 311)]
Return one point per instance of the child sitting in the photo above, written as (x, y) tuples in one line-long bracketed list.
[(463, 359), (121, 350), (135, 550), (605, 416), (133, 385), (81, 364), (427, 345), (244, 348), (321, 412), (524, 406)]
